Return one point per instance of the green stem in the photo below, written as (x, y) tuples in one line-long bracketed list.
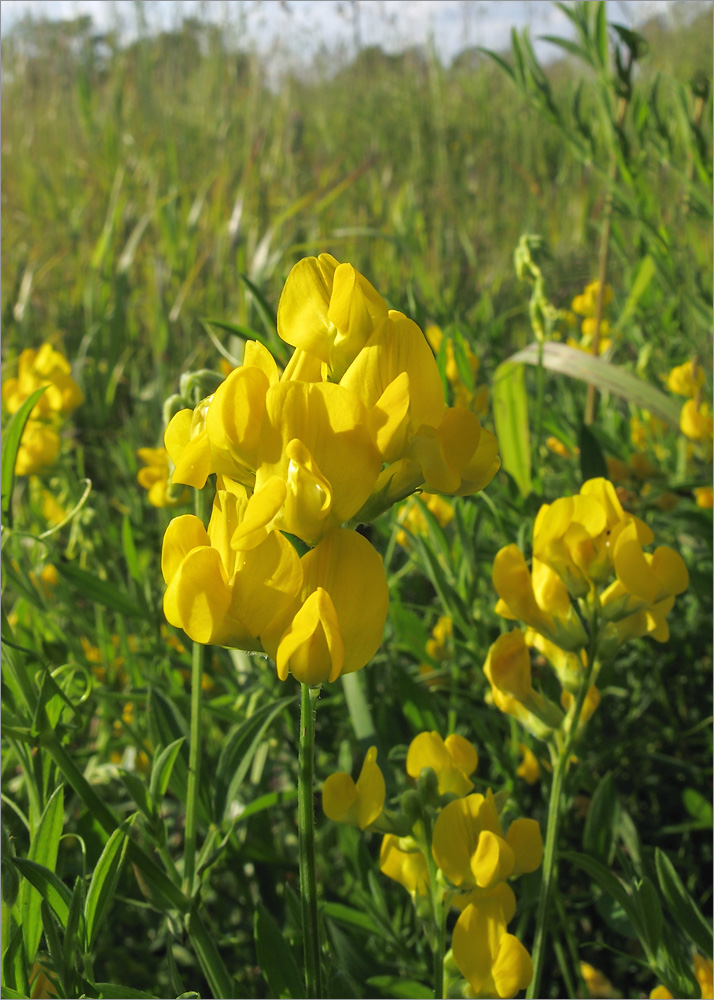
[(550, 853), (198, 664), (306, 830), (194, 766), (439, 914)]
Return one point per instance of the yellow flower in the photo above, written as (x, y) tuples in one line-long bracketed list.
[(329, 311), (39, 447), (696, 421), (408, 867), (436, 647), (494, 962), (541, 600), (508, 669), (335, 622), (155, 477), (316, 462), (585, 304), (45, 366), (453, 760), (704, 972), (412, 516), (470, 848), (703, 497), (357, 804), (599, 986), (686, 379), (52, 512), (528, 769), (217, 595), (558, 448)]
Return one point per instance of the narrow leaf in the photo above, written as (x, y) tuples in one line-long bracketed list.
[(104, 881), (604, 376), (510, 412), (598, 834), (99, 591), (275, 957), (609, 883), (43, 851), (161, 770), (683, 908), (214, 969), (10, 447), (50, 887)]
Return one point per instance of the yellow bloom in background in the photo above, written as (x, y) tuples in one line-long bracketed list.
[(357, 803), (695, 421), (45, 366), (408, 867), (703, 497), (412, 517), (585, 304), (529, 768), (494, 962), (555, 445), (155, 477), (599, 986), (686, 379), (39, 448), (437, 646), (453, 760), (703, 972)]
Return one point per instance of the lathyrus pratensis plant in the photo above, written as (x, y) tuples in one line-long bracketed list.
[(446, 846), (591, 587), (356, 422)]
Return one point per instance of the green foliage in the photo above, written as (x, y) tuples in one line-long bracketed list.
[(155, 195)]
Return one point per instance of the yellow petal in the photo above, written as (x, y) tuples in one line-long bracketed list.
[(183, 534), (492, 861), (512, 969), (339, 797), (260, 512), (409, 868), (302, 310), (526, 841), (198, 597), (312, 648)]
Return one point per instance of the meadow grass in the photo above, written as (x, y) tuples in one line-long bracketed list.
[(154, 197)]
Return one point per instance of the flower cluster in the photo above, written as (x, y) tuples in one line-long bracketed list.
[(356, 422), (40, 442), (585, 305), (447, 847), (591, 587)]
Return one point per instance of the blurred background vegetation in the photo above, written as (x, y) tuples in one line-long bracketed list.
[(151, 186)]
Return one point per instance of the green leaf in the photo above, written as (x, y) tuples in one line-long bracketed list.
[(99, 591), (603, 48), (43, 851), (74, 930), (499, 60), (10, 447), (52, 939), (237, 753), (221, 983), (565, 43), (265, 310), (13, 964), (510, 413), (592, 460), (684, 910), (598, 835), (604, 376), (395, 986), (161, 770), (104, 881), (110, 991), (136, 787), (130, 554), (650, 910), (645, 272), (353, 918), (609, 883), (698, 807), (49, 886), (5, 991), (275, 957)]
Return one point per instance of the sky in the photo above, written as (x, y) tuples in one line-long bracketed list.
[(303, 27)]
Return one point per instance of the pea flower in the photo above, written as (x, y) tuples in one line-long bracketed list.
[(357, 803), (39, 447), (494, 962), (155, 477), (686, 379), (453, 760), (408, 867), (43, 367)]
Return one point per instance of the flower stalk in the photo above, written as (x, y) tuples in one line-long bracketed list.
[(306, 833)]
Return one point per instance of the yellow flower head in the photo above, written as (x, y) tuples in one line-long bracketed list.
[(45, 366), (453, 760), (686, 379), (494, 962), (408, 867), (357, 803), (39, 447), (695, 422), (155, 477)]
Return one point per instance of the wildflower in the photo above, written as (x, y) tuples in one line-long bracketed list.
[(695, 421), (408, 867), (43, 367), (39, 447), (436, 647), (470, 848), (357, 803), (528, 769), (599, 986), (453, 760), (686, 379), (156, 478), (558, 448), (494, 962), (586, 304), (412, 517), (703, 497), (334, 624)]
